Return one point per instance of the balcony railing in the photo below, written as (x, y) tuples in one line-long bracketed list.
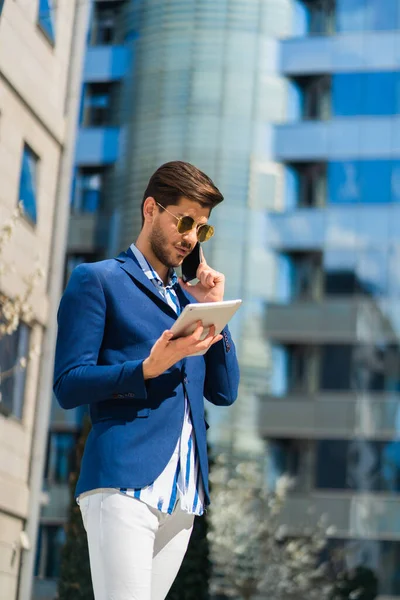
[(352, 515), (344, 320), (330, 415)]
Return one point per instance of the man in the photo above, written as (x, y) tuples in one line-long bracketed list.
[(144, 472)]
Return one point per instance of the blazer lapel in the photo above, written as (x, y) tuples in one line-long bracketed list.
[(130, 266)]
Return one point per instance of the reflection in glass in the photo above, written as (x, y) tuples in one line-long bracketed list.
[(394, 271), (340, 272), (366, 181), (350, 15), (315, 96), (366, 15), (356, 94), (343, 182), (372, 272), (358, 465), (294, 369), (316, 16)]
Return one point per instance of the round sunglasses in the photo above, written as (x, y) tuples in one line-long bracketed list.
[(186, 223)]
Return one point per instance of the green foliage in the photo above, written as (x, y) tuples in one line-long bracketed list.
[(75, 581)]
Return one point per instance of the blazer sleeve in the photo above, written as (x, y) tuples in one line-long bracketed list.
[(78, 379), (222, 372)]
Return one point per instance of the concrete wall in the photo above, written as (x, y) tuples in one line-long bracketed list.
[(33, 84)]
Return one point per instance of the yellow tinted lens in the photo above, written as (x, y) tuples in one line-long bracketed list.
[(185, 224), (204, 232)]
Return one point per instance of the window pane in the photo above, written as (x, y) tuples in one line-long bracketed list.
[(350, 15), (366, 181), (379, 93), (358, 465), (104, 24), (99, 105), (50, 543), (372, 270), (343, 182), (375, 178), (46, 18), (340, 272), (28, 183), (315, 17), (336, 364), (61, 456), (89, 187), (346, 94), (394, 271), (334, 454), (13, 348), (381, 16)]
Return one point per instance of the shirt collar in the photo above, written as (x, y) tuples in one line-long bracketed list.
[(151, 273)]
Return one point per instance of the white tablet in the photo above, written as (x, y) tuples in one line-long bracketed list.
[(210, 313)]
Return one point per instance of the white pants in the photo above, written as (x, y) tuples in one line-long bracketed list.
[(135, 550)]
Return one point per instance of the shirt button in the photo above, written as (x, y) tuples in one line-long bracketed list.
[(185, 380)]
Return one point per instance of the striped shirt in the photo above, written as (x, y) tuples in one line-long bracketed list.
[(181, 478)]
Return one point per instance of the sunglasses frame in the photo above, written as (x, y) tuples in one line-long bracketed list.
[(209, 228)]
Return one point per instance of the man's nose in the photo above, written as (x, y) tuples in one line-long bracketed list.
[(190, 237)]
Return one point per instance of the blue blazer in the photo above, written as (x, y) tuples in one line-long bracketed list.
[(109, 318)]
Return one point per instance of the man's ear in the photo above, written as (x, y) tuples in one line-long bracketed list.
[(149, 209)]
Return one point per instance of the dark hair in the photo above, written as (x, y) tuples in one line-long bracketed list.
[(175, 180)]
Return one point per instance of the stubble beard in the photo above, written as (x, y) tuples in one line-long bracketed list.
[(158, 244)]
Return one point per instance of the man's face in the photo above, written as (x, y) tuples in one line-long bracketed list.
[(169, 246)]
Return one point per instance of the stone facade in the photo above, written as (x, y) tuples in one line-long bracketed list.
[(34, 76)]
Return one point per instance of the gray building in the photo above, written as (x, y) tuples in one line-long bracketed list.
[(331, 415)]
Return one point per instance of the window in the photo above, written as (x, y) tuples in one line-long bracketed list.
[(1, 5), (336, 366), (318, 16), (359, 465), (305, 185), (105, 21), (292, 457), (61, 456), (342, 182), (365, 93), (46, 19), (13, 348), (305, 274), (364, 181), (295, 369), (372, 368), (322, 17), (51, 540), (315, 96), (99, 104), (28, 183), (363, 272), (366, 15), (89, 184)]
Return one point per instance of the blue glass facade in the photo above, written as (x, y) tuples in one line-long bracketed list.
[(333, 316)]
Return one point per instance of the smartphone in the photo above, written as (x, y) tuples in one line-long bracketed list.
[(191, 263)]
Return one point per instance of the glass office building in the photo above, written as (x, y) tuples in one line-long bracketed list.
[(205, 87), (331, 416), (193, 80)]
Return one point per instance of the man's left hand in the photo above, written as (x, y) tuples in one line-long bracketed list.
[(211, 284)]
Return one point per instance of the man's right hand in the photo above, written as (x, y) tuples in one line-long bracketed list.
[(167, 351)]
